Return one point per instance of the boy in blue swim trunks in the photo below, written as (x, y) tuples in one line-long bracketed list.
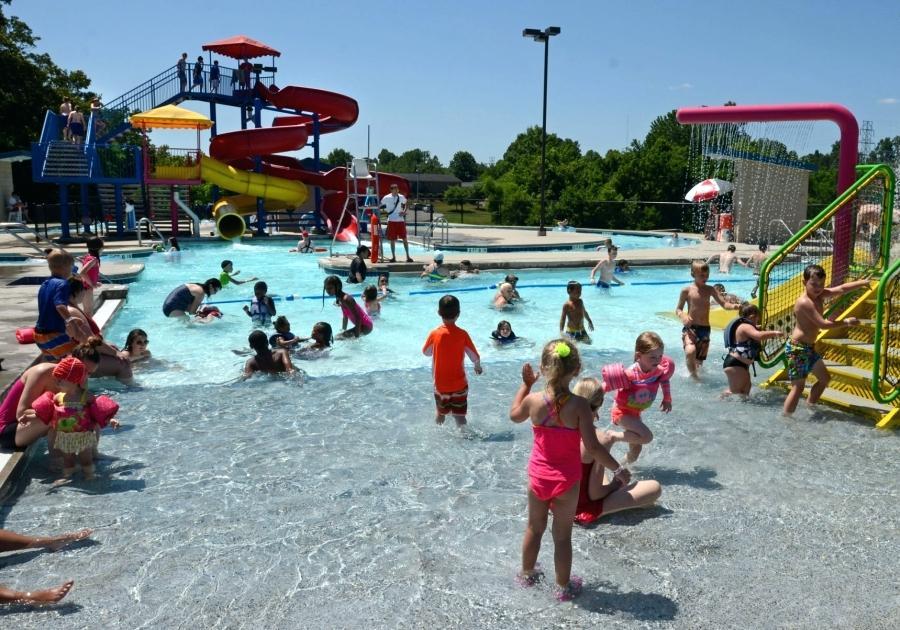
[(695, 318), (571, 322), (800, 355)]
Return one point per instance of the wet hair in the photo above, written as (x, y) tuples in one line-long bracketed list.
[(732, 248), (174, 243), (465, 263), (225, 263), (88, 350), (259, 343), (611, 248), (699, 265), (361, 250), (648, 341), (76, 286), (338, 289), (572, 285), (748, 309), (282, 323), (813, 270), (94, 245), (382, 277), (132, 337), (210, 284), (325, 327), (591, 389), (370, 292), (763, 246), (501, 323), (623, 263), (719, 287), (510, 278), (559, 369), (260, 286), (448, 307)]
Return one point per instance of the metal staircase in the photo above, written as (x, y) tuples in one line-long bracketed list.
[(864, 360), (65, 160)]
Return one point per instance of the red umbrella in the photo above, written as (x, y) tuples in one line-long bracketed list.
[(241, 47), (708, 189)]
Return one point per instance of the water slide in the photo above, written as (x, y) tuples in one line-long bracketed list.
[(283, 177)]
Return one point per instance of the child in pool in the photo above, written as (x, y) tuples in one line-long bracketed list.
[(504, 333), (136, 346), (90, 273), (695, 318), (574, 314), (372, 300), (283, 337), (352, 312), (262, 307), (75, 416), (383, 289), (561, 422), (322, 338), (265, 360), (728, 298), (637, 386)]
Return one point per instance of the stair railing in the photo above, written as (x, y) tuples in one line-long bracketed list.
[(151, 230), (886, 363), (870, 202)]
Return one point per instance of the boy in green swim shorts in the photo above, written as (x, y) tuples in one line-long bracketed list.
[(800, 355)]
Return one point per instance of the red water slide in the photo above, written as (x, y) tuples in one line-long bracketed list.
[(289, 133)]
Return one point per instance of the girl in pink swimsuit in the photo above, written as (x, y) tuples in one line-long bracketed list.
[(561, 421), (637, 386), (353, 312)]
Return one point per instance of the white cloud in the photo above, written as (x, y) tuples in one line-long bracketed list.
[(888, 101), (681, 86)]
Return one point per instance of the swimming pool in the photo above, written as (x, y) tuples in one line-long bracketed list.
[(336, 502)]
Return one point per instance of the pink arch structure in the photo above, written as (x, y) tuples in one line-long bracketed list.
[(847, 157)]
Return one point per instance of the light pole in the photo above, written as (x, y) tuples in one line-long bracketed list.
[(543, 36)]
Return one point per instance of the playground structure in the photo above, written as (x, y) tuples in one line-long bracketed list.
[(864, 360), (246, 162)]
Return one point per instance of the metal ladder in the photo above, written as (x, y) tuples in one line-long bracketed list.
[(151, 229), (13, 228), (437, 224), (359, 170)]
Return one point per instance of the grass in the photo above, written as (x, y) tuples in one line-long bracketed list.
[(471, 215)]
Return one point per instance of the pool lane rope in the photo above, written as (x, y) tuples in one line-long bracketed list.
[(559, 285)]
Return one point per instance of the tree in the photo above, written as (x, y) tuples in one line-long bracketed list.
[(464, 166), (386, 160), (338, 157), (417, 159), (457, 196), (31, 84)]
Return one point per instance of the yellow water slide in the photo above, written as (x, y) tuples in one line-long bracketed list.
[(228, 213)]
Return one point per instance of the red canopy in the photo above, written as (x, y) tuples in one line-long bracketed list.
[(241, 47)]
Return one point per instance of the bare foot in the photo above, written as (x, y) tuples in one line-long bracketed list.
[(88, 472), (55, 543), (439, 420), (48, 596)]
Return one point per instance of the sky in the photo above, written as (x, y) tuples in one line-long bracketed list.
[(446, 76)]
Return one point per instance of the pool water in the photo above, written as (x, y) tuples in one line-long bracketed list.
[(334, 501)]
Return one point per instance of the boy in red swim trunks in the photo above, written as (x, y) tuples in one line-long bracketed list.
[(448, 345)]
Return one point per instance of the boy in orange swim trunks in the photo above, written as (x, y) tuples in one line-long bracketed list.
[(448, 345)]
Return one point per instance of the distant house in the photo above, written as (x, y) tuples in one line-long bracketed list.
[(430, 185)]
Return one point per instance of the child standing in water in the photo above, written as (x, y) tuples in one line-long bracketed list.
[(561, 422), (75, 416), (637, 387), (352, 312), (90, 273), (695, 318), (262, 307), (372, 300), (573, 315), (448, 345), (799, 351)]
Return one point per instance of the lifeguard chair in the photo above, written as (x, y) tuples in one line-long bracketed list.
[(363, 193)]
